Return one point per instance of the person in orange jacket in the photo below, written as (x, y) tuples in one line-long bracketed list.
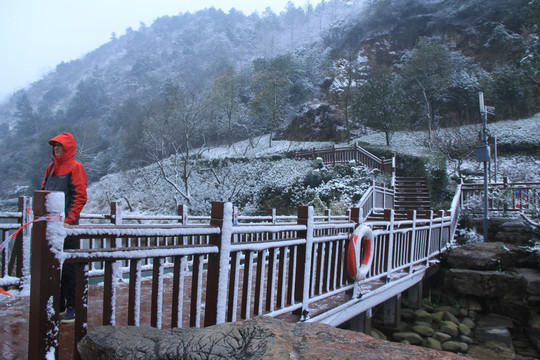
[(67, 175)]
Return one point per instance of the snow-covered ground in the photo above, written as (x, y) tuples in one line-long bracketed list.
[(517, 168), (258, 146), (246, 171), (526, 131)]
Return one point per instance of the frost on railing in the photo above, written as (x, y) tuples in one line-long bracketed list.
[(219, 267), (15, 230), (229, 271), (505, 197), (344, 155)]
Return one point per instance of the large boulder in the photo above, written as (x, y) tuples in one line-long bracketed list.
[(257, 338), (495, 256), (486, 284)]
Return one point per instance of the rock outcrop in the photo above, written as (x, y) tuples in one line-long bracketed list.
[(504, 279), (257, 338), (484, 301)]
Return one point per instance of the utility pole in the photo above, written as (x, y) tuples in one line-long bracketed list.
[(483, 155), (495, 156)]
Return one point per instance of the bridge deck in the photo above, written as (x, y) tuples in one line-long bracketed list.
[(14, 315)]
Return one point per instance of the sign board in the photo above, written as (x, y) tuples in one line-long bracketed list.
[(482, 153)]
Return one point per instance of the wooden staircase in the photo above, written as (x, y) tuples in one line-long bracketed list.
[(412, 193)]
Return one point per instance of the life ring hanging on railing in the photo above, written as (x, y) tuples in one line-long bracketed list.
[(362, 238)]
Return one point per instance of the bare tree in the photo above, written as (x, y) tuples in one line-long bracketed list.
[(173, 132), (456, 143), (348, 74)]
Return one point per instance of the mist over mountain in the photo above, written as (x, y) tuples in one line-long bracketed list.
[(196, 81)]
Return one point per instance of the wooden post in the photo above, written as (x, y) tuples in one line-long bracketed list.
[(373, 194), (116, 213), (355, 215), (81, 306), (441, 231), (328, 214), (218, 264), (272, 213), (429, 215), (183, 212), (45, 282)]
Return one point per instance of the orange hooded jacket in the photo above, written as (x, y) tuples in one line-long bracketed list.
[(67, 175)]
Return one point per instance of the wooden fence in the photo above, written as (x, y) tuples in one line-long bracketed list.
[(236, 271), (344, 155), (277, 266), (502, 197), (15, 254)]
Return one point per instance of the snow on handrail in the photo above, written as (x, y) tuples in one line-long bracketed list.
[(140, 231)]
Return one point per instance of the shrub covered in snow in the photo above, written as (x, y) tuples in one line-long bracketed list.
[(252, 184)]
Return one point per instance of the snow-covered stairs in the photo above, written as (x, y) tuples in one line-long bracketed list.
[(412, 193)]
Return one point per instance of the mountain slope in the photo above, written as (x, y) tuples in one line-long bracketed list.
[(107, 97)]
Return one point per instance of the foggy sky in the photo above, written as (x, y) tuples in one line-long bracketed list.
[(36, 35)]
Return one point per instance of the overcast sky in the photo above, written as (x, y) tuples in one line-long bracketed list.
[(36, 35)]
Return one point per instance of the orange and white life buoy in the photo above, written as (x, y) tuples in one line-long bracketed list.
[(362, 238)]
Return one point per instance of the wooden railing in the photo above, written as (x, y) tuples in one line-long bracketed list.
[(15, 257), (344, 155), (502, 197), (237, 271), (376, 199), (15, 253), (258, 265)]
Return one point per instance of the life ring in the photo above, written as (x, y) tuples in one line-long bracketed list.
[(362, 238)]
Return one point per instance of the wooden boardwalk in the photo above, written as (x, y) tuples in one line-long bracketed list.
[(14, 315), (14, 318)]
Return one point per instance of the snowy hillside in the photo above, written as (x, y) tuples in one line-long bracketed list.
[(523, 135), (252, 175)]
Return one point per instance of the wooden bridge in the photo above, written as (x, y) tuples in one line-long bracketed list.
[(203, 271)]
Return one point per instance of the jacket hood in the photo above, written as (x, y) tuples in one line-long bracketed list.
[(68, 142)]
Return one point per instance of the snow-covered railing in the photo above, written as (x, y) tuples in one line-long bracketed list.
[(344, 155), (15, 250), (502, 197), (15, 254), (117, 216), (405, 244), (375, 199), (236, 271)]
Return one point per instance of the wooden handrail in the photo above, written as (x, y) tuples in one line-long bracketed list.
[(503, 197), (13, 264), (294, 264), (343, 155)]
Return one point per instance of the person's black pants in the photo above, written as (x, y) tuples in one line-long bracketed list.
[(67, 282)]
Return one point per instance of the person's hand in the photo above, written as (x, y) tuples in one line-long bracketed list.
[(67, 225)]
